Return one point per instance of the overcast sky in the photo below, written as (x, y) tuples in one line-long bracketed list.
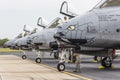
[(14, 14)]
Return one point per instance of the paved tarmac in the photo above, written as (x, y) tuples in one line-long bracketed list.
[(89, 69), (14, 68)]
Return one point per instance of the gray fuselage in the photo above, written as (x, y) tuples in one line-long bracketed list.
[(96, 28)]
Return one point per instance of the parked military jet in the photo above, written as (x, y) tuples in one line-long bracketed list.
[(22, 42), (10, 43), (41, 41), (96, 32)]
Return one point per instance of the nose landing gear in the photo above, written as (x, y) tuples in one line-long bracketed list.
[(38, 60), (24, 57), (39, 56)]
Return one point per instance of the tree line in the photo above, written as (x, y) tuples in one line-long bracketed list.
[(2, 41)]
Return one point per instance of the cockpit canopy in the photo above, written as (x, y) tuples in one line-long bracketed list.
[(55, 22), (19, 36), (108, 3)]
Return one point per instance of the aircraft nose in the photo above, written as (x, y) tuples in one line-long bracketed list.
[(59, 33)]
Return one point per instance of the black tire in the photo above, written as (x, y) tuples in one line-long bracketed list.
[(24, 57), (106, 62), (38, 60), (61, 67), (56, 55)]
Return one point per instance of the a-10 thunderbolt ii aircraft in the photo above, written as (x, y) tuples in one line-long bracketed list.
[(96, 32), (10, 43), (22, 42), (41, 41)]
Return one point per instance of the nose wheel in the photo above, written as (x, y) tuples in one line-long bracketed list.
[(106, 62), (38, 60), (61, 66), (24, 57)]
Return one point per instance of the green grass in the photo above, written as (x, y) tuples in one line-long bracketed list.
[(9, 50)]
